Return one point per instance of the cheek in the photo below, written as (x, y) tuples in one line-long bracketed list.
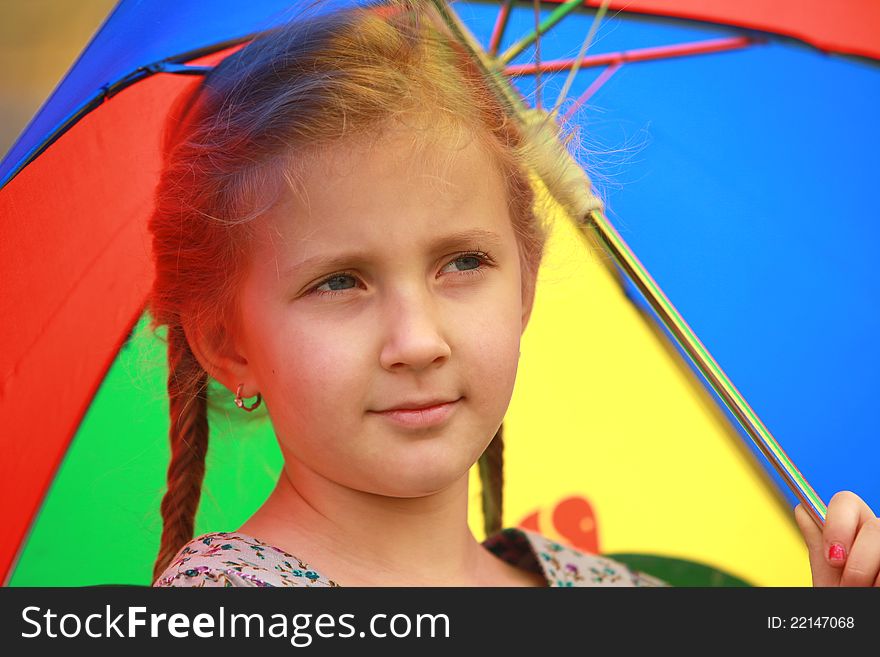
[(493, 342), (315, 373)]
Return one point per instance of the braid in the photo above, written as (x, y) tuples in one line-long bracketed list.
[(187, 383), (491, 466)]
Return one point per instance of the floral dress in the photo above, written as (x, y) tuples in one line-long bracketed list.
[(235, 559)]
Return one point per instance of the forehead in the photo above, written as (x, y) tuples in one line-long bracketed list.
[(400, 187)]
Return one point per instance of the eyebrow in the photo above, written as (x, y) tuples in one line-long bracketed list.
[(356, 257)]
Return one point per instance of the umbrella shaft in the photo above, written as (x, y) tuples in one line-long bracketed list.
[(703, 360)]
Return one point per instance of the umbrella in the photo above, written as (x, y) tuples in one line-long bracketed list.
[(78, 337)]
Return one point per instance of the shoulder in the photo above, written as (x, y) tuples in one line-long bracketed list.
[(232, 559), (564, 566)]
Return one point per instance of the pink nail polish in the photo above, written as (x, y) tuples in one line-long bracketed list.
[(836, 552)]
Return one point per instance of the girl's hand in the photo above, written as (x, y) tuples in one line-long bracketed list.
[(847, 551)]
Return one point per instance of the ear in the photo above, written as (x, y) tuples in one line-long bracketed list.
[(219, 358)]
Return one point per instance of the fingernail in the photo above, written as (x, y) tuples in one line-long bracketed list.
[(836, 552)]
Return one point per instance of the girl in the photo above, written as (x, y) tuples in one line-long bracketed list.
[(345, 231)]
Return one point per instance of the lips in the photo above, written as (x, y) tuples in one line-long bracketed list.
[(420, 418), (420, 405)]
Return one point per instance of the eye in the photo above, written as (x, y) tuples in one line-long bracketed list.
[(334, 283), (475, 262)]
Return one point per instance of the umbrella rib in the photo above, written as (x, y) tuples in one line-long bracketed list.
[(597, 19), (500, 26), (537, 7), (183, 69), (554, 18), (592, 89), (637, 55)]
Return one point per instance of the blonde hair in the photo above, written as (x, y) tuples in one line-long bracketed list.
[(253, 122)]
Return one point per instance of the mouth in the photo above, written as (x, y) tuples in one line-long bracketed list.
[(420, 405), (420, 418)]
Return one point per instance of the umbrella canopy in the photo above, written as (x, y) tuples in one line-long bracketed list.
[(720, 200)]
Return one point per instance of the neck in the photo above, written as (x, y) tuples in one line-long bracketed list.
[(389, 541)]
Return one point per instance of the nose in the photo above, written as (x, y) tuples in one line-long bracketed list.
[(413, 332)]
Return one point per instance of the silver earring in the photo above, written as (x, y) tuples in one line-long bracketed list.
[(240, 402)]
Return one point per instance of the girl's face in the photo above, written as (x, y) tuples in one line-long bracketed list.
[(392, 278)]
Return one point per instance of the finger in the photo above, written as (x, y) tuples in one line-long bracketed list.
[(823, 573), (863, 564), (847, 512)]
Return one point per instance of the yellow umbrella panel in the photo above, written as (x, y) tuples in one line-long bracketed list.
[(613, 444)]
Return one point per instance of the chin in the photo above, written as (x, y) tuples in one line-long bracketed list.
[(418, 482)]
